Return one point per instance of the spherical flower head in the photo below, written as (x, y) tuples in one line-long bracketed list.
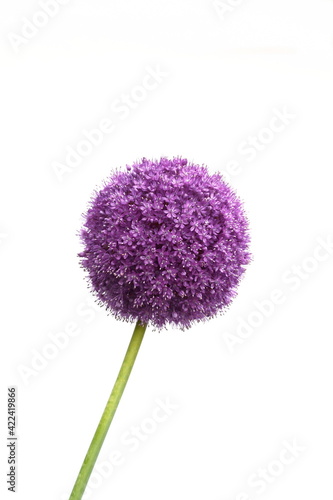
[(165, 242)]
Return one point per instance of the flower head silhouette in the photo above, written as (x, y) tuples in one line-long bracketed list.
[(165, 242)]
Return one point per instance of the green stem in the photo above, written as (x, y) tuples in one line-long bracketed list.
[(109, 411)]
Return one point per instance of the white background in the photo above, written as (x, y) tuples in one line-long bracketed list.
[(236, 405)]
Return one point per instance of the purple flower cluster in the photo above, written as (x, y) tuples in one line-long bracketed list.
[(165, 242)]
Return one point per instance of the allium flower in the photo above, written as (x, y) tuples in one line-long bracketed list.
[(165, 242)]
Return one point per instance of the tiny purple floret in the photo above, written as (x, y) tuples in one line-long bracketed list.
[(165, 242)]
